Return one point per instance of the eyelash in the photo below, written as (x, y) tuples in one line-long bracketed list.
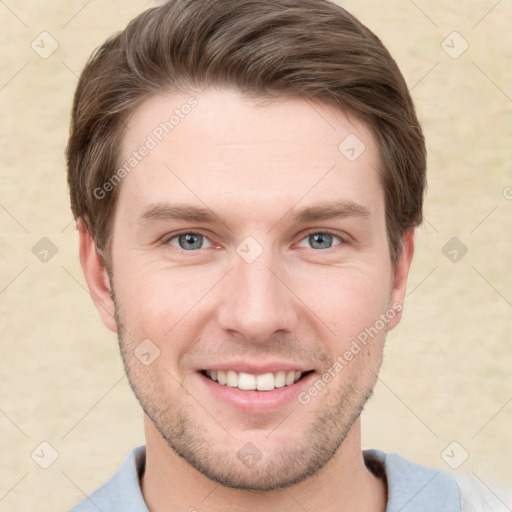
[(343, 240)]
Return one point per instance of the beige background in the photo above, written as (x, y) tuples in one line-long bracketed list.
[(446, 374)]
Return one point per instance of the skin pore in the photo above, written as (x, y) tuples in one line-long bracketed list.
[(268, 181)]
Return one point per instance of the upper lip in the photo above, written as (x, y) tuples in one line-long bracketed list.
[(256, 368)]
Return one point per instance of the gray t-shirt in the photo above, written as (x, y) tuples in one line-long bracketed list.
[(411, 487)]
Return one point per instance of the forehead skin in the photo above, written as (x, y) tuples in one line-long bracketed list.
[(252, 164)]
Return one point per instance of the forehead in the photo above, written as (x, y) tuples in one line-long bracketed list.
[(222, 150)]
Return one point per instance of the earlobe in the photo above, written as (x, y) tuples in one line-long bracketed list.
[(400, 274), (96, 276)]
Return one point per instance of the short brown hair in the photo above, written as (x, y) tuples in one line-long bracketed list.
[(311, 49)]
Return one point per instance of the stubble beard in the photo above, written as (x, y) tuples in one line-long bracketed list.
[(188, 437)]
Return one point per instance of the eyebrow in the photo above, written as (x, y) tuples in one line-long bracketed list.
[(167, 211), (161, 212), (336, 210)]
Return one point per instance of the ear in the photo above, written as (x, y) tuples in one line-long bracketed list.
[(400, 274), (96, 276)]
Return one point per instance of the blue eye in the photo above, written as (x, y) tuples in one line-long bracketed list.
[(321, 240), (189, 241)]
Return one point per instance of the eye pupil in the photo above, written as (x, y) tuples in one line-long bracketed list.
[(189, 241), (320, 241)]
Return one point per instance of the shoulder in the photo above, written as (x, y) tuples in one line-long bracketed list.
[(479, 496), (413, 487), (122, 492)]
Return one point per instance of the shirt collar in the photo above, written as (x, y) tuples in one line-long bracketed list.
[(411, 487)]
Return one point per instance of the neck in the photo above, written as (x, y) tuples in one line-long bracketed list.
[(343, 484)]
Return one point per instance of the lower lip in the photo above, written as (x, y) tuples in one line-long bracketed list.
[(254, 401)]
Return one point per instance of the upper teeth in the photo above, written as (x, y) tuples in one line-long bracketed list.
[(247, 381)]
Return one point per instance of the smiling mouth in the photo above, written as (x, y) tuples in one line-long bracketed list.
[(250, 382)]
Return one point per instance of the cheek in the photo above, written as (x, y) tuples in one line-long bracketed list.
[(347, 300), (163, 305)]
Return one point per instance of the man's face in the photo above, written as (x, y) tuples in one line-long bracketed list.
[(290, 269)]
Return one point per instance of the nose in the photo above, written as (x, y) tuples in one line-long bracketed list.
[(257, 302)]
